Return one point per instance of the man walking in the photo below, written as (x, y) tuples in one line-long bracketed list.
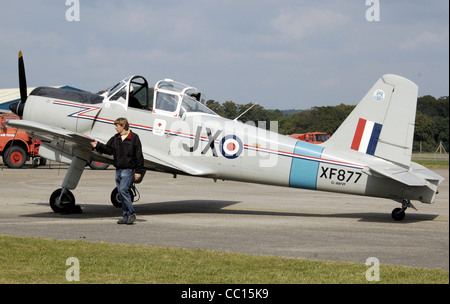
[(126, 148)]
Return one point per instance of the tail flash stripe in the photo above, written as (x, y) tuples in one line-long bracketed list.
[(374, 139), (366, 136), (358, 134)]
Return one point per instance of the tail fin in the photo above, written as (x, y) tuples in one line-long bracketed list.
[(382, 124)]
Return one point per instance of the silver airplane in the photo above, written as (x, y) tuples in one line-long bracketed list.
[(369, 154)]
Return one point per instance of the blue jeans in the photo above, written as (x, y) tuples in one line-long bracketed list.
[(124, 178)]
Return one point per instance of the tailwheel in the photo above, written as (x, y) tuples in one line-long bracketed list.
[(398, 214), (115, 197), (62, 201)]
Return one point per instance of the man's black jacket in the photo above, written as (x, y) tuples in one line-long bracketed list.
[(127, 154)]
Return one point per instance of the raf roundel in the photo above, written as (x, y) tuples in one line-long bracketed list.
[(231, 146)]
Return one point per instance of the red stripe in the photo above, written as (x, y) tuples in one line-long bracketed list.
[(358, 134)]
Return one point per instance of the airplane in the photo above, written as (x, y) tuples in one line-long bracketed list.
[(368, 155)]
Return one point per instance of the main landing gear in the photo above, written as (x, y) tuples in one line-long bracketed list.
[(398, 214), (62, 200), (115, 197)]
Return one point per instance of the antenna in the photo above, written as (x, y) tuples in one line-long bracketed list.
[(245, 111)]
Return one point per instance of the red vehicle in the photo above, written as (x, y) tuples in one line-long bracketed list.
[(312, 137), (16, 146)]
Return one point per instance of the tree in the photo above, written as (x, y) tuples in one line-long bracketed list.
[(424, 133), (230, 109), (216, 107), (436, 111)]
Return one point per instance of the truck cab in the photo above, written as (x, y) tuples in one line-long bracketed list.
[(16, 147), (312, 137)]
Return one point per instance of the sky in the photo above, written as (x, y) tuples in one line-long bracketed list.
[(281, 54)]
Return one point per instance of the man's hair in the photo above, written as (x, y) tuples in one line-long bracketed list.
[(121, 121)]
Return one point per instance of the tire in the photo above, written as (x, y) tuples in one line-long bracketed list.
[(115, 200), (68, 201), (15, 157), (42, 161), (398, 214)]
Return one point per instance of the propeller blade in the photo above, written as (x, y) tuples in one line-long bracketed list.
[(22, 79)]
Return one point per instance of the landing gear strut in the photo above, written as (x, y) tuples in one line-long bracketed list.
[(62, 200), (398, 214)]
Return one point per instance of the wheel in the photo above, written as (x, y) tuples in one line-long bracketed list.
[(15, 157), (67, 203), (115, 198), (398, 214)]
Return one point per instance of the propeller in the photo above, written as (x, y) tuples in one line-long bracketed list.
[(17, 107)]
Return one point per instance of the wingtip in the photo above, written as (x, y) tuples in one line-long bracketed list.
[(20, 54)]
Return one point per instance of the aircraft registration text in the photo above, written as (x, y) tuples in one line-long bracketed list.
[(341, 175)]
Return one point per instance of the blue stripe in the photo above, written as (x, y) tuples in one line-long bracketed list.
[(304, 171), (374, 139)]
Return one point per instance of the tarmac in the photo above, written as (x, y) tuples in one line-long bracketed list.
[(190, 212)]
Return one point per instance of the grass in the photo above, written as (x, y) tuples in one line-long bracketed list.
[(433, 164), (27, 260)]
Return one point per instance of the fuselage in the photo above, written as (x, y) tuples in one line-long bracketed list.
[(220, 148)]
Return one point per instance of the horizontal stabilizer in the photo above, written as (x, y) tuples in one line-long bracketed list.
[(426, 174), (415, 176), (399, 174)]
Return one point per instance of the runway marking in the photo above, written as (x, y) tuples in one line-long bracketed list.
[(440, 220)]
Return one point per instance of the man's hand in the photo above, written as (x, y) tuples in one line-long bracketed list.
[(137, 176), (94, 143)]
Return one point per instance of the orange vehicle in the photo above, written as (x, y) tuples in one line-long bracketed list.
[(16, 146), (312, 137)]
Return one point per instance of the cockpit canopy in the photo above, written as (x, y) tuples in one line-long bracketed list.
[(171, 98), (176, 99), (131, 91)]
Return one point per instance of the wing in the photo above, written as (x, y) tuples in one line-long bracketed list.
[(47, 134), (171, 164), (52, 136)]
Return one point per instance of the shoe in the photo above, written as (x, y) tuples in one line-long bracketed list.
[(131, 219), (122, 221)]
